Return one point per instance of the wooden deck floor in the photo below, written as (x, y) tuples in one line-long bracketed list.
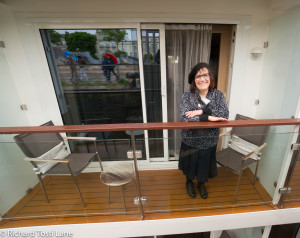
[(164, 189)]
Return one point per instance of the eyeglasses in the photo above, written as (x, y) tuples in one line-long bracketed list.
[(204, 76)]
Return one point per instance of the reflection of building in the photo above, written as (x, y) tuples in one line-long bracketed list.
[(63, 45), (128, 46), (150, 44)]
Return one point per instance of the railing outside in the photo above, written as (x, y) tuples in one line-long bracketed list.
[(159, 186)]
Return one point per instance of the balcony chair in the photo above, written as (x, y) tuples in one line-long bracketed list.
[(49, 155), (120, 174), (101, 136), (244, 148)]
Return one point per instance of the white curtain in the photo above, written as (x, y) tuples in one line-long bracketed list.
[(186, 45)]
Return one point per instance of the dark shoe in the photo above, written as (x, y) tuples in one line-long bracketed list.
[(190, 189), (202, 190)]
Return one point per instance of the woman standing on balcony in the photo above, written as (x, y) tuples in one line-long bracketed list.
[(198, 147)]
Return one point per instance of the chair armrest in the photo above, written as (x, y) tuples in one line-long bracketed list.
[(225, 133), (255, 151), (47, 160), (80, 138)]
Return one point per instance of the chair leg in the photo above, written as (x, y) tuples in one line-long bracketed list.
[(43, 187), (76, 185), (237, 186), (254, 180), (123, 197), (98, 155)]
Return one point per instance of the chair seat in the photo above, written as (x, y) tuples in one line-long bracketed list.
[(78, 162), (232, 160), (119, 174)]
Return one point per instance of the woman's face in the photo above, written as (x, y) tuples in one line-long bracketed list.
[(202, 79)]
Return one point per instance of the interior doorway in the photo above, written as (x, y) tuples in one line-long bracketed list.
[(223, 38), (187, 45), (220, 57)]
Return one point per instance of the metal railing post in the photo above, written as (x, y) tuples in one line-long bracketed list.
[(137, 174)]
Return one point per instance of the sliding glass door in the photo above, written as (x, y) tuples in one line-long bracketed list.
[(100, 78), (95, 73)]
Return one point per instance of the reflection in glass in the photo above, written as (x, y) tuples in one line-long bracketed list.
[(152, 78), (95, 74)]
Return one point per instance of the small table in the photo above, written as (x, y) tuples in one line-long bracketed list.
[(135, 133)]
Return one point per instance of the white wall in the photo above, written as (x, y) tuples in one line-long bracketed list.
[(245, 86), (279, 90), (25, 88), (251, 16), (16, 175), (11, 102)]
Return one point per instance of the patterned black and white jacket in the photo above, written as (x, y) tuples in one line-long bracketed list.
[(202, 138)]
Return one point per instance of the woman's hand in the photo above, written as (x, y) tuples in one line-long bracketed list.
[(191, 114), (211, 118)]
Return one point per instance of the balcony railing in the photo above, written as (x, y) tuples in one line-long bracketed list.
[(156, 186)]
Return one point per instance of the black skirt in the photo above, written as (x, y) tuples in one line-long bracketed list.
[(198, 163)]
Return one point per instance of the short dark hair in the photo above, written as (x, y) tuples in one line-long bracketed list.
[(195, 70)]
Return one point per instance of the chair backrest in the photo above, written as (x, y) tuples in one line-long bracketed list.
[(253, 134), (36, 144)]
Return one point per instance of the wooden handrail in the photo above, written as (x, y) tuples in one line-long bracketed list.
[(147, 126)]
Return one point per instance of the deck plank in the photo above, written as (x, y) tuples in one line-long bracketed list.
[(165, 192)]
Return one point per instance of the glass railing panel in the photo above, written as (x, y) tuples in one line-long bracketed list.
[(22, 195), (292, 197), (160, 184), (277, 158), (164, 185), (112, 145)]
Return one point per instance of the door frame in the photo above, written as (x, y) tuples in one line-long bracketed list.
[(137, 26), (163, 78), (225, 55)]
